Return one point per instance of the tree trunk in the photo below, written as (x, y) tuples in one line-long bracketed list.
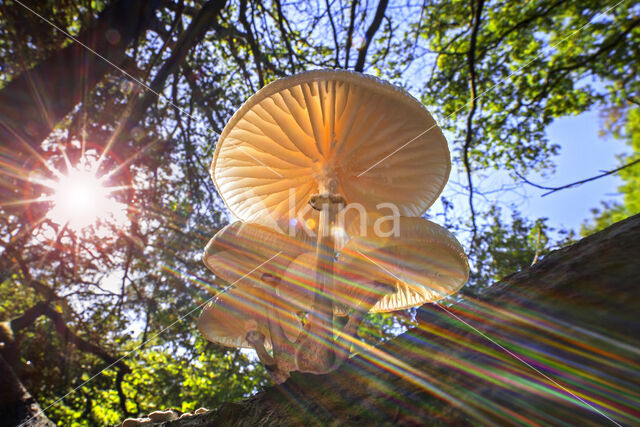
[(554, 344), (35, 101), (17, 406)]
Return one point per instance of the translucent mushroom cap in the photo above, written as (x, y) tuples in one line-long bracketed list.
[(378, 142), (241, 253), (240, 309), (298, 284), (421, 260)]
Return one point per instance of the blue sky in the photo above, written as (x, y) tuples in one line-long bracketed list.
[(583, 154)]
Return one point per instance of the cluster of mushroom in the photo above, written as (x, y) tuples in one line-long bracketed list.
[(309, 164)]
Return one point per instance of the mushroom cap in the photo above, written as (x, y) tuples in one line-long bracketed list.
[(329, 123), (423, 262), (238, 310), (298, 285), (241, 253)]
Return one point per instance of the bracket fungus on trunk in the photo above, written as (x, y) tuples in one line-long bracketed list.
[(299, 155)]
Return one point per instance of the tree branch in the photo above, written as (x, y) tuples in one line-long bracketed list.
[(46, 93), (476, 11), (44, 309), (371, 31), (283, 33), (352, 20), (577, 183), (193, 35), (255, 50), (335, 35)]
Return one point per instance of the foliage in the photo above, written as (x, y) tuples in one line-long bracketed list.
[(39, 41), (494, 73), (527, 69), (612, 212), (509, 245)]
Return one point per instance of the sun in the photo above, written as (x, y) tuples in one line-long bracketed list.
[(81, 199)]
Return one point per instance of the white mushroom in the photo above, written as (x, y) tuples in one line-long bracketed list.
[(303, 147), (423, 263), (378, 142), (254, 312)]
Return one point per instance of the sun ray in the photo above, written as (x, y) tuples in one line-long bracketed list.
[(81, 198), (26, 201), (56, 241), (131, 158)]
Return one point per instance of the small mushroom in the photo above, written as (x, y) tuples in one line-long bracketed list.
[(423, 263), (241, 317), (233, 314), (243, 252), (162, 416), (254, 312), (136, 422)]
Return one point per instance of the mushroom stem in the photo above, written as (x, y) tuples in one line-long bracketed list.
[(256, 339), (283, 348), (278, 336), (316, 347), (347, 336)]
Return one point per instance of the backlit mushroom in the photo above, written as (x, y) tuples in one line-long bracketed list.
[(239, 317), (298, 284), (422, 261), (256, 311), (233, 314), (327, 138), (244, 252), (289, 140)]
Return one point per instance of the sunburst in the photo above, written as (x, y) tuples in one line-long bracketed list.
[(82, 198)]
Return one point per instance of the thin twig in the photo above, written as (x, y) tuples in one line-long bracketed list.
[(335, 35), (577, 183), (253, 45), (476, 11), (371, 31), (352, 19)]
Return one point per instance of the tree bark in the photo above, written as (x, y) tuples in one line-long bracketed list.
[(554, 344), (17, 406)]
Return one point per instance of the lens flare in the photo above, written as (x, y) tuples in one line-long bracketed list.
[(81, 199)]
